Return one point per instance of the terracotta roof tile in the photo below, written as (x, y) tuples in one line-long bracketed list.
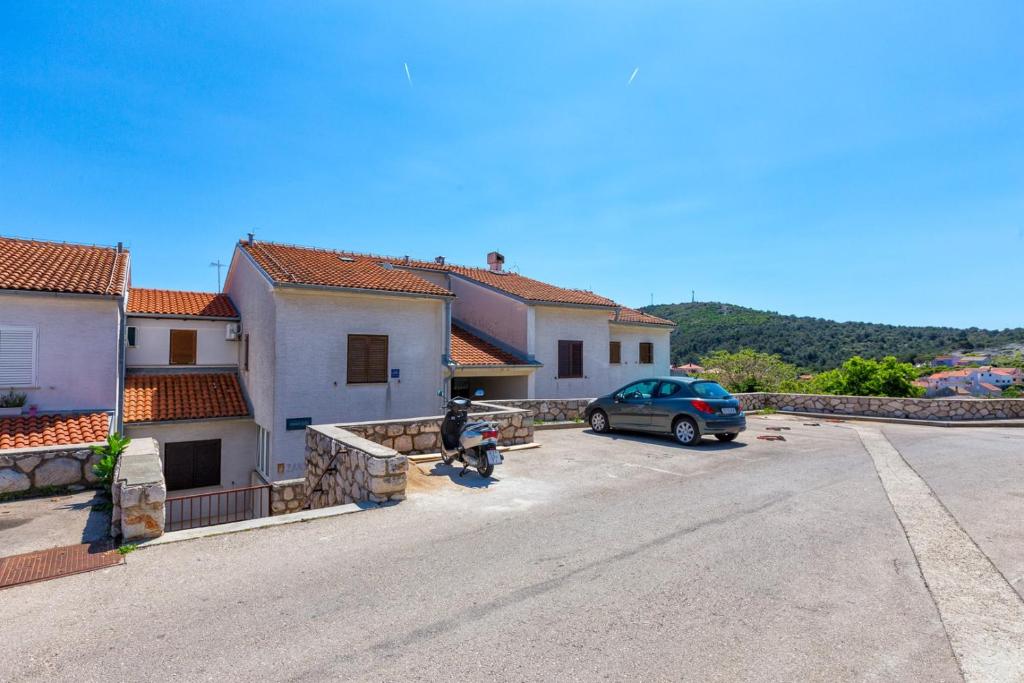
[(170, 302), (629, 315), (531, 290), (469, 349), (53, 430), (182, 396), (288, 264), (61, 267)]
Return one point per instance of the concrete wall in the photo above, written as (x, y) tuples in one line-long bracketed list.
[(77, 349), (237, 448), (153, 342), (561, 322), (631, 369), (494, 314), (311, 380), (138, 493)]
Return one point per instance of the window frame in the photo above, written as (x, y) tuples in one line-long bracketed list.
[(368, 378), (571, 345), (131, 336), (650, 347), (245, 352), (615, 357), (34, 379), (263, 450)]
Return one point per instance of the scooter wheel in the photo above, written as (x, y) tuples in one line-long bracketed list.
[(447, 459), (485, 470)]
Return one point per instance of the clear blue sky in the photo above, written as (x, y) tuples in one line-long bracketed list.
[(849, 160)]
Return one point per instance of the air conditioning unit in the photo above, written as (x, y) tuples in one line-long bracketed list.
[(233, 331)]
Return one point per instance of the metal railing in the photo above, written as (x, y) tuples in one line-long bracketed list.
[(216, 507)]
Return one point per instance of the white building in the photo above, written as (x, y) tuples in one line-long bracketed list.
[(332, 336)]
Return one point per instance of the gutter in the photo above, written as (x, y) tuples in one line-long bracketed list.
[(122, 344), (359, 290), (168, 316)]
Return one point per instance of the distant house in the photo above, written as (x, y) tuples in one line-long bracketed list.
[(687, 370), (982, 381), (944, 361), (973, 360)]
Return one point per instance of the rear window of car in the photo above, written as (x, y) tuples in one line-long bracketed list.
[(709, 390)]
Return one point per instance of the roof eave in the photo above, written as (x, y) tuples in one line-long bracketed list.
[(360, 290), (179, 316)]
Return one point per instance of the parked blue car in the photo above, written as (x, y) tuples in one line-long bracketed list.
[(685, 407)]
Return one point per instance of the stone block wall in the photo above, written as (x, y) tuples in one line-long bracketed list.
[(549, 409), (423, 434), (26, 469), (138, 492), (939, 409), (344, 468), (287, 495)]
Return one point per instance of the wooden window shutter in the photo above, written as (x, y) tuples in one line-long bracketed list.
[(614, 352), (577, 359), (367, 358), (646, 352), (563, 358), (570, 358), (183, 347)]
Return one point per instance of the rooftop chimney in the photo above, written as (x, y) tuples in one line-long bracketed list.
[(252, 238), (120, 247), (439, 260), (495, 262)]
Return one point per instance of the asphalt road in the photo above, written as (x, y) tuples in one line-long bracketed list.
[(593, 557)]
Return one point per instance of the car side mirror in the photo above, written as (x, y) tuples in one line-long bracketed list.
[(440, 392), (617, 398)]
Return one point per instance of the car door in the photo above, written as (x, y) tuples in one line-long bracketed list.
[(632, 405), (665, 405)]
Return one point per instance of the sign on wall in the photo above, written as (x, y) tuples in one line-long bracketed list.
[(293, 423)]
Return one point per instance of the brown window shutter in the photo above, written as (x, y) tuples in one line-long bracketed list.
[(367, 358), (615, 352), (646, 352), (577, 359), (183, 347), (563, 358)]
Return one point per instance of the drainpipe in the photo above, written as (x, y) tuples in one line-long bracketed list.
[(122, 340), (446, 357)]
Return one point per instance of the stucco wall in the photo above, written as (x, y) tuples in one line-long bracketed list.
[(631, 369), (153, 342), (237, 448), (494, 314), (588, 325), (77, 349), (312, 339), (253, 296)]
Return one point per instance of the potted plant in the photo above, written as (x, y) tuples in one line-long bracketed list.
[(11, 403)]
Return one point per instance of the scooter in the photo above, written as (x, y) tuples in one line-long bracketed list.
[(474, 444)]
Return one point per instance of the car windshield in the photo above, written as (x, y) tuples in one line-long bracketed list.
[(709, 390)]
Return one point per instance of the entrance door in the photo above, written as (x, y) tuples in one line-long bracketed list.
[(192, 464)]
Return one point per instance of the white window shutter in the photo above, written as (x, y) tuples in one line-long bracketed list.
[(17, 356)]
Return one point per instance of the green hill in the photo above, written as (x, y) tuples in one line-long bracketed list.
[(813, 343)]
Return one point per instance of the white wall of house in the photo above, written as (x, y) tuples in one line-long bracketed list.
[(630, 336), (590, 326), (153, 342), (77, 338), (237, 448), (497, 315), (311, 356), (253, 296)]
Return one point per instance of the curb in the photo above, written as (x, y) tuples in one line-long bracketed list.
[(1013, 423)]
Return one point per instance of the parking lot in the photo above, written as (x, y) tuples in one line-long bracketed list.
[(594, 556)]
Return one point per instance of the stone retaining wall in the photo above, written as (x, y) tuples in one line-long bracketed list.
[(951, 409), (423, 434), (138, 492), (26, 469), (344, 468), (287, 495), (549, 409)]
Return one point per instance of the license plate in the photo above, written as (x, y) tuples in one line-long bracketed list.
[(728, 411), (493, 457)]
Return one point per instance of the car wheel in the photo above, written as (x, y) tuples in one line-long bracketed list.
[(599, 421), (726, 437), (686, 432)]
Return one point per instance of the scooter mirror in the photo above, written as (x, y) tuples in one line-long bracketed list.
[(440, 392), (478, 393)]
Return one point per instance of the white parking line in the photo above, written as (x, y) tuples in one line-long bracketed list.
[(982, 614)]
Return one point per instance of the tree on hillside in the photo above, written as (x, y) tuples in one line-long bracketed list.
[(748, 370), (868, 377)]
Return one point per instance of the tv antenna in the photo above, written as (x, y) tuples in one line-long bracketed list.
[(218, 265)]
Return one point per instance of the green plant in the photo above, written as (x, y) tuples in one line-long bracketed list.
[(110, 451), (748, 370), (13, 399), (867, 377), (127, 548)]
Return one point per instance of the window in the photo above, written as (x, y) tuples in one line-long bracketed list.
[(132, 335), (263, 450), (668, 389), (709, 390), (614, 352), (245, 352), (183, 347), (191, 464), (367, 358), (646, 352), (17, 356), (640, 390), (570, 359)]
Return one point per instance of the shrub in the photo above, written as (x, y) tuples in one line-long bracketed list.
[(12, 399), (110, 451)]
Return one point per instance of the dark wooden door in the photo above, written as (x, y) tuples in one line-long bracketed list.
[(192, 464)]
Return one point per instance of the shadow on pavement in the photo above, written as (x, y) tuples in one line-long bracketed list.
[(708, 443), (471, 479)]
